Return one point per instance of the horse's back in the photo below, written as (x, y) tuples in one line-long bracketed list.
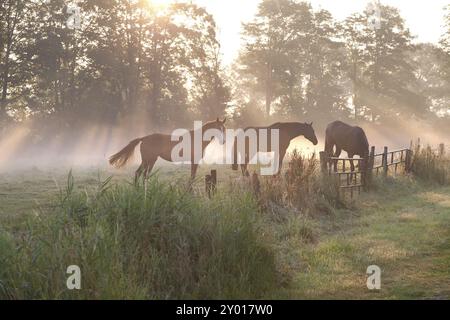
[(349, 138), (337, 126)]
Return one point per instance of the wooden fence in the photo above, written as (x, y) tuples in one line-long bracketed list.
[(365, 168), (359, 179)]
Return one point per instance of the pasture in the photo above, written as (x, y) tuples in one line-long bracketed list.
[(288, 241)]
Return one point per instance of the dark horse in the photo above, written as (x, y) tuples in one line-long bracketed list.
[(287, 132), (353, 140), (160, 146)]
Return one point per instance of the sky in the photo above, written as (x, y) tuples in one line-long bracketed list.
[(424, 18)]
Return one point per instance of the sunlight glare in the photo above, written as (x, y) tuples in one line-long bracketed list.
[(160, 3)]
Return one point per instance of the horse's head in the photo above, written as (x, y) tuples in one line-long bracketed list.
[(310, 134), (216, 130)]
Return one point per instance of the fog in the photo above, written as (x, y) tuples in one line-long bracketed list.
[(91, 148)]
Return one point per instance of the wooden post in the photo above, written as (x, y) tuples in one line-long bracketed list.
[(408, 158), (372, 163), (323, 162), (208, 185), (256, 184), (213, 181), (371, 159), (385, 162), (366, 170)]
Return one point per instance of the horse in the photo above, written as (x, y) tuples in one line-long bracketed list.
[(351, 139), (287, 132), (160, 146)]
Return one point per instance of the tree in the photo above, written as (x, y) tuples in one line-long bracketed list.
[(445, 40), (12, 13), (431, 80), (293, 58), (380, 71), (156, 64), (445, 44)]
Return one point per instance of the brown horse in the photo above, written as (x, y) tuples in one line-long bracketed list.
[(287, 132), (161, 146), (351, 139)]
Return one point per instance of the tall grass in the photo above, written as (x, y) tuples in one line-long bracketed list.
[(162, 243), (428, 165), (302, 188)]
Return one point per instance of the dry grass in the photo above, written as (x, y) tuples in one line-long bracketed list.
[(430, 165)]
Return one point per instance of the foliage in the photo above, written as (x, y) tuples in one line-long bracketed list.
[(127, 59)]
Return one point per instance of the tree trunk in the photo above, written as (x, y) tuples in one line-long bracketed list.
[(268, 89), (5, 84)]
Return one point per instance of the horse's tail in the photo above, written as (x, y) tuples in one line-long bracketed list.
[(121, 158)]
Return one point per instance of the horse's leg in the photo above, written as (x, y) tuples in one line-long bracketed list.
[(337, 155), (352, 167), (138, 173), (246, 159), (244, 170), (149, 167), (194, 168), (329, 145), (352, 162), (235, 165), (281, 156)]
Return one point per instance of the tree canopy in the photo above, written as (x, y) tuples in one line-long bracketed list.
[(128, 61)]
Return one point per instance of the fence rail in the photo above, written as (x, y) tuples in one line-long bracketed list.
[(355, 180)]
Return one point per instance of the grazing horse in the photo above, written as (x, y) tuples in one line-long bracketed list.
[(160, 146), (353, 140), (287, 132)]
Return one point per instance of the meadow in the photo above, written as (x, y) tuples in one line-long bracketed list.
[(292, 238)]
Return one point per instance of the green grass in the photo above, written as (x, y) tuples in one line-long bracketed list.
[(169, 243), (160, 242), (404, 228)]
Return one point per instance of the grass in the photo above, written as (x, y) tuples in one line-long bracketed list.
[(403, 228), (160, 242), (430, 166), (169, 243)]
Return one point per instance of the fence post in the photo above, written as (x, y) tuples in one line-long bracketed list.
[(408, 161), (208, 185), (369, 164), (323, 162), (213, 181), (385, 162), (372, 158), (256, 184)]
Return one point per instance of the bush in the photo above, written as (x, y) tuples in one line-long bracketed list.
[(164, 243)]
